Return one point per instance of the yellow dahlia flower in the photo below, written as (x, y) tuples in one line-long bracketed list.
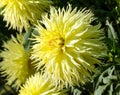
[(39, 85), (16, 63), (67, 45), (21, 13)]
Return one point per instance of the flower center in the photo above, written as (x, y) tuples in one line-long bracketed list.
[(56, 42)]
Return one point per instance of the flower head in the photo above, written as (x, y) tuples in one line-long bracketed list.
[(15, 64), (67, 45), (21, 13), (38, 85)]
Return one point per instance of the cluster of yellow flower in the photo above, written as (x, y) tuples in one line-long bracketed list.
[(64, 51)]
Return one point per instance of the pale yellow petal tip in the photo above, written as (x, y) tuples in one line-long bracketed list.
[(15, 64), (20, 14), (39, 85), (67, 46)]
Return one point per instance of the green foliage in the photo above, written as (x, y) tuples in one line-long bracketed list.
[(108, 81)]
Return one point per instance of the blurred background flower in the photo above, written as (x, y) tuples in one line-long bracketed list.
[(16, 64), (21, 14), (39, 85), (68, 45)]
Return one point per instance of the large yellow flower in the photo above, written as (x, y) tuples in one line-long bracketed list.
[(39, 85), (21, 13), (67, 46), (16, 63)]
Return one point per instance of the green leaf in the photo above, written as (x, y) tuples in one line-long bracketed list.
[(100, 90), (111, 90), (117, 89), (111, 32), (76, 91), (26, 39)]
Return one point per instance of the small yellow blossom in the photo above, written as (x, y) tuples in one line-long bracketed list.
[(39, 85), (22, 13), (67, 46), (16, 64)]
